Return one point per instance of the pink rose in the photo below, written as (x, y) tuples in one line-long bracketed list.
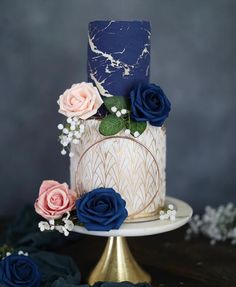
[(55, 199), (82, 100)]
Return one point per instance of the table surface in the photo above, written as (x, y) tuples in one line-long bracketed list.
[(171, 261)]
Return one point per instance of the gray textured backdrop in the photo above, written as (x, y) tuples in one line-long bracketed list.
[(43, 51)]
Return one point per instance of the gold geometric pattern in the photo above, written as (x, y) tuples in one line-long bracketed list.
[(134, 167)]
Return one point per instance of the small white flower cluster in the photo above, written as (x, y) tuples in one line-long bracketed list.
[(169, 214), (119, 113), (136, 134), (50, 225), (20, 252), (219, 224), (23, 253), (71, 133), (123, 112)]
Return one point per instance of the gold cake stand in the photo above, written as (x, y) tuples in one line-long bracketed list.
[(117, 264)]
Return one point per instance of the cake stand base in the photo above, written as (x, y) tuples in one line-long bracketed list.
[(117, 264)]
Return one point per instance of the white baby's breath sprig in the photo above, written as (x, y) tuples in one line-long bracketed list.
[(65, 228), (118, 114), (127, 132), (62, 229), (168, 214), (43, 225), (9, 253), (65, 131), (20, 252), (114, 109), (69, 225), (66, 217), (60, 127), (52, 222), (218, 224), (71, 132), (69, 120), (63, 151), (71, 154)]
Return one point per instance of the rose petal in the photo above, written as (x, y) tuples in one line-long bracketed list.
[(46, 184)]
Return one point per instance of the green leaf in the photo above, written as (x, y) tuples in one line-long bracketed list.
[(117, 101), (111, 125), (137, 126)]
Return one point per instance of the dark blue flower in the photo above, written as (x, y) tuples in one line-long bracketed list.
[(101, 209), (19, 270), (149, 103)]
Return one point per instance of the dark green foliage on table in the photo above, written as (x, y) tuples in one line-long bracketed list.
[(23, 234), (56, 270)]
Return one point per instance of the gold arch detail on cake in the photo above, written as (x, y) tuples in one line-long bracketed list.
[(158, 180)]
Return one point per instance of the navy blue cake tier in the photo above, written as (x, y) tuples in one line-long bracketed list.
[(118, 55)]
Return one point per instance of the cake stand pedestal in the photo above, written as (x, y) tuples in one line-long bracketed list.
[(117, 263)]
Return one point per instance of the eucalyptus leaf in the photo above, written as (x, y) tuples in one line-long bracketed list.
[(135, 126), (117, 101), (111, 125)]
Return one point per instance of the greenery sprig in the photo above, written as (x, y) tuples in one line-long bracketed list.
[(119, 118)]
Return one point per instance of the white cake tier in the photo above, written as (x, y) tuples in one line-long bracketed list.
[(134, 167)]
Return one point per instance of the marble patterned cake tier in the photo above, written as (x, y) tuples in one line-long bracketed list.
[(134, 167), (118, 55)]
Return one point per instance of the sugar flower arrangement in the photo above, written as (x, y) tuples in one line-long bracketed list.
[(17, 268), (145, 103), (78, 103), (100, 209)]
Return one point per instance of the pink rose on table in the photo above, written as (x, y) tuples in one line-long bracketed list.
[(81, 100), (54, 200)]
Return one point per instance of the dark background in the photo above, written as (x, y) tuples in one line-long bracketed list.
[(43, 51)]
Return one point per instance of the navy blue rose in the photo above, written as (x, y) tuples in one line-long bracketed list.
[(149, 103), (19, 271), (101, 209)]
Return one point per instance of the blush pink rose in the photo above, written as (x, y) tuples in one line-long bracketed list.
[(81, 100), (54, 200)]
